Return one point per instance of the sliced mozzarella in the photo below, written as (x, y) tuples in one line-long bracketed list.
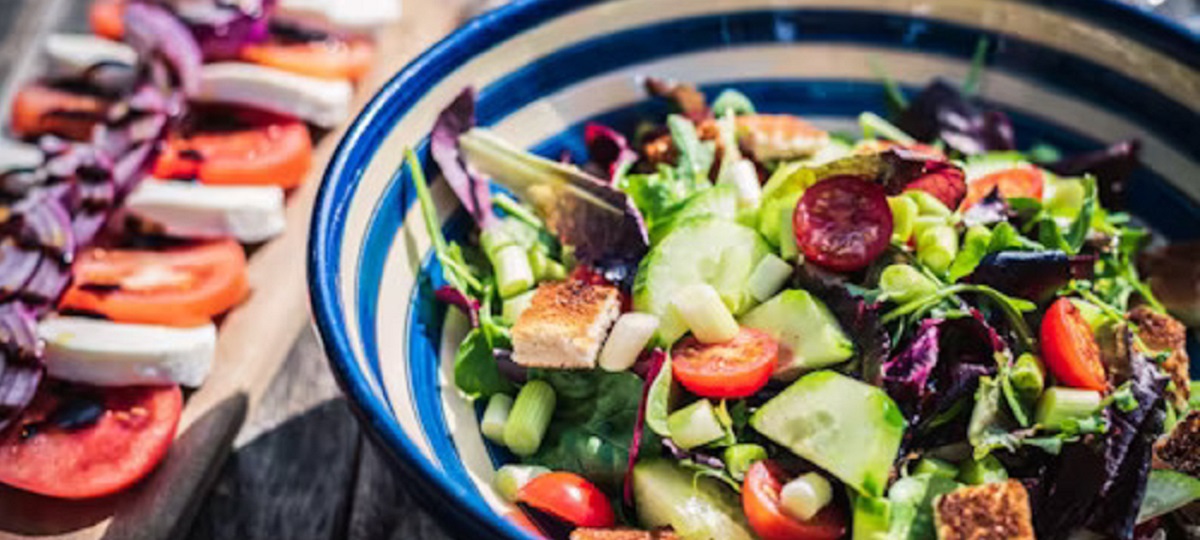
[(105, 353), (355, 16), (322, 102), (249, 214), (72, 54), (18, 155)]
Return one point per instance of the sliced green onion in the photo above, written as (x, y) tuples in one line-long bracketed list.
[(806, 495), (873, 124), (902, 283), (1060, 404), (513, 274), (510, 479), (904, 215), (515, 306), (927, 204), (493, 239), (529, 418), (1028, 376), (695, 425), (739, 458), (936, 467), (495, 416), (768, 277), (984, 471), (517, 210), (744, 176), (629, 336), (937, 247), (705, 314)]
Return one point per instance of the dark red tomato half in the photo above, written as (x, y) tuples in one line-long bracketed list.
[(760, 502), (843, 223), (734, 369), (570, 497), (127, 441)]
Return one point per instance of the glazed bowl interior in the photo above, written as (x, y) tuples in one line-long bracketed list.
[(1074, 74)]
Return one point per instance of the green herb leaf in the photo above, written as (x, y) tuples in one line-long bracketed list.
[(475, 371), (1078, 230)]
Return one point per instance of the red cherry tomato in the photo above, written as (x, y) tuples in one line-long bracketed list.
[(274, 151), (107, 18), (942, 180), (128, 441), (570, 497), (1019, 182), (1069, 349), (843, 223), (734, 369), (760, 502)]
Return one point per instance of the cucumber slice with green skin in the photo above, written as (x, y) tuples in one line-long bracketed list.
[(809, 336), (696, 507), (1167, 491), (719, 201), (846, 427), (981, 165), (708, 250)]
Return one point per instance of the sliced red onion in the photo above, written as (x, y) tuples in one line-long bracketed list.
[(18, 183), (18, 384), (96, 195), (222, 30), (132, 167), (47, 284), (151, 29), (18, 332), (47, 225), (87, 226), (17, 265)]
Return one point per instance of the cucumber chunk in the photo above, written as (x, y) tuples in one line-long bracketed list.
[(847, 427), (708, 250), (809, 336), (696, 507)]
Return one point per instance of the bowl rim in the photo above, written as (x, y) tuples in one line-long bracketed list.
[(360, 142)]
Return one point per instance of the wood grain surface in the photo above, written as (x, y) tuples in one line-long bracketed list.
[(301, 468)]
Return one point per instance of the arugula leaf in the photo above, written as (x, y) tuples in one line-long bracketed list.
[(975, 75), (455, 271), (592, 428), (695, 156)]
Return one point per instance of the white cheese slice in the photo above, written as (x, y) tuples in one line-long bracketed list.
[(250, 214), (319, 101), (352, 16), (105, 353), (71, 54), (18, 155)]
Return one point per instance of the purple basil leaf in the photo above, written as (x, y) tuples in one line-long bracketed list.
[(472, 190), (469, 306), (941, 111), (1112, 166), (1033, 275), (607, 148)]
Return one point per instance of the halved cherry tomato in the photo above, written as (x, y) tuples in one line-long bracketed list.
[(760, 502), (1069, 349), (734, 369), (942, 180), (332, 59), (521, 520), (843, 223), (127, 441), (176, 287), (277, 153), (1019, 182), (107, 18), (570, 497), (39, 110)]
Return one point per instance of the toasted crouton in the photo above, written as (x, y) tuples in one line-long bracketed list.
[(621, 534), (998, 511), (1163, 334), (1181, 449), (565, 325)]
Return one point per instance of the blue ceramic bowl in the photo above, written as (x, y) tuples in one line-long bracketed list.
[(1072, 73)]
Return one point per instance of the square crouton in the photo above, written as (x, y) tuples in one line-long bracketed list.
[(565, 325), (995, 511), (1163, 334), (1181, 449), (621, 534)]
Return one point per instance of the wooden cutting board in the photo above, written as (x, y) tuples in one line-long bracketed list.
[(254, 338)]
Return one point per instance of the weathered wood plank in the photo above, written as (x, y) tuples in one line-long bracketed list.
[(384, 507)]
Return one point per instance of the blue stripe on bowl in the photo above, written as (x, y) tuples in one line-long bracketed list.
[(450, 493)]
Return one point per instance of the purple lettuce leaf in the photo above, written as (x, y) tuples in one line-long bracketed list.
[(654, 366), (469, 306), (607, 149), (1112, 166), (1033, 275), (471, 189), (857, 315), (943, 112)]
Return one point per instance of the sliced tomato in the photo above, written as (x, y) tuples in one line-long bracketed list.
[(330, 59), (177, 287), (125, 442), (570, 497), (40, 110), (843, 223), (278, 152), (760, 502), (107, 18), (1018, 182), (942, 180), (1069, 348), (734, 369)]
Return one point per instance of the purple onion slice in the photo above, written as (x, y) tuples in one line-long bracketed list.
[(47, 225), (18, 332), (47, 284), (18, 384), (17, 265), (152, 30), (87, 226)]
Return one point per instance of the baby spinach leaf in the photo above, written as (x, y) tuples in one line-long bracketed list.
[(475, 371)]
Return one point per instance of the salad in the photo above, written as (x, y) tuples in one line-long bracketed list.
[(732, 324), (150, 156)]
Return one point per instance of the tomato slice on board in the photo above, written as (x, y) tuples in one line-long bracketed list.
[(106, 18), (127, 441), (277, 153), (1018, 182), (176, 287), (734, 369), (330, 59), (843, 223), (570, 497), (1069, 349), (760, 502), (39, 110)]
